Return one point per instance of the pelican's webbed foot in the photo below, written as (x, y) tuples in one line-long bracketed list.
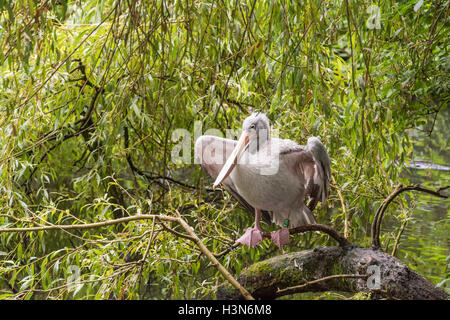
[(280, 237), (251, 237)]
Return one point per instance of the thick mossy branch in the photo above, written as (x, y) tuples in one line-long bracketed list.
[(268, 279)]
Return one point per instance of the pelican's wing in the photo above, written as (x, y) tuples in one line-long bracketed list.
[(323, 167), (211, 153), (311, 165)]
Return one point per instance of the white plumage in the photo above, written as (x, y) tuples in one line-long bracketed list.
[(268, 174)]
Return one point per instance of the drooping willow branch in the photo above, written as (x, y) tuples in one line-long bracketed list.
[(160, 218), (83, 126), (376, 224)]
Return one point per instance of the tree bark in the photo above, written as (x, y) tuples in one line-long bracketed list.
[(346, 268)]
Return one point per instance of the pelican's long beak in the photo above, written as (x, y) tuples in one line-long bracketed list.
[(233, 159)]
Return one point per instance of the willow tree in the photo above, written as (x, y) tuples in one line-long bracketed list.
[(92, 93)]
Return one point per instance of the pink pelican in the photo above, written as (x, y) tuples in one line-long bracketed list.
[(268, 175)]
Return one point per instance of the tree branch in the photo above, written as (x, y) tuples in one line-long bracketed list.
[(322, 228), (91, 225), (302, 229), (215, 262), (350, 269), (376, 224)]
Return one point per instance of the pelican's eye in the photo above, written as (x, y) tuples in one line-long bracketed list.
[(253, 126)]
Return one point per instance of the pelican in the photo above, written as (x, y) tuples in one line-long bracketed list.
[(268, 175)]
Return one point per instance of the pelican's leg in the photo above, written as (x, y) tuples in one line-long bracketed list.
[(253, 236), (281, 236)]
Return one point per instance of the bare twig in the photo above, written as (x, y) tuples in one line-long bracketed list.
[(178, 234), (299, 288)]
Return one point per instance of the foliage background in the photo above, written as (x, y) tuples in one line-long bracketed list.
[(91, 92)]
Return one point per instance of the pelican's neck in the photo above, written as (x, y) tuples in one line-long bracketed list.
[(257, 143)]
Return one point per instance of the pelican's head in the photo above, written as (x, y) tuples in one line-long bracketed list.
[(255, 133), (257, 128)]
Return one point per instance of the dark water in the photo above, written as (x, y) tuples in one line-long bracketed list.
[(425, 242)]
